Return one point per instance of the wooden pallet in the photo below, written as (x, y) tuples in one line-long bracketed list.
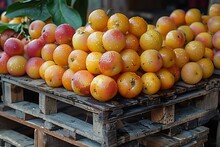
[(111, 123)]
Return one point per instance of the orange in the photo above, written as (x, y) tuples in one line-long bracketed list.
[(205, 38), (182, 57), (132, 42), (94, 42), (47, 51), (165, 24), (214, 24), (67, 79), (175, 39), (79, 40), (191, 73), (118, 21), (44, 66), (175, 71), (195, 50), (129, 84), (53, 75), (168, 57), (77, 60), (61, 54), (198, 27), (81, 82), (214, 10), (188, 33), (98, 19), (103, 88), (193, 15), (92, 62), (151, 27), (207, 67), (151, 39), (110, 63), (137, 26), (131, 60), (151, 60), (151, 83), (167, 79), (113, 40), (178, 16), (209, 53)]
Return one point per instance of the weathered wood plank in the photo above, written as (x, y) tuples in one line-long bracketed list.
[(47, 104), (16, 138)]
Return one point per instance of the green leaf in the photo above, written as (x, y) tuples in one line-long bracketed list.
[(35, 9), (5, 26), (81, 6), (62, 13)]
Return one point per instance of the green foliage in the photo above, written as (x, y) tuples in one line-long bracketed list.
[(72, 12)]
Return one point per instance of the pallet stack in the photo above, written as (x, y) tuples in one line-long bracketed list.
[(33, 114)]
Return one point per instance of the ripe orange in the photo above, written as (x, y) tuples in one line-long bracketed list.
[(113, 40), (151, 83), (137, 26), (214, 24), (98, 19), (44, 66), (182, 57), (191, 73), (178, 16), (214, 10), (110, 63), (198, 27), (131, 60), (61, 54), (79, 40), (193, 15), (129, 84), (53, 75), (94, 42), (118, 21), (167, 79), (216, 59), (103, 88), (175, 71), (67, 79), (77, 60), (165, 24), (168, 57), (195, 50), (188, 33), (207, 67), (132, 42), (151, 60), (151, 39), (205, 38), (209, 53), (47, 51), (92, 62), (81, 81), (175, 39)]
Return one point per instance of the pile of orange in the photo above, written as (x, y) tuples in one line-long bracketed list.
[(116, 54)]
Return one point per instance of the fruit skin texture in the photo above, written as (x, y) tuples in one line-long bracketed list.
[(175, 39), (3, 62), (151, 39), (35, 28), (110, 63), (151, 61), (16, 65), (214, 24), (216, 59), (81, 81), (64, 34), (14, 46), (167, 80), (32, 67), (168, 57), (151, 83), (9, 33), (53, 75), (129, 84), (216, 40), (207, 67), (103, 88), (67, 79), (113, 40), (34, 47), (191, 73), (98, 19), (195, 50), (77, 60), (44, 66)]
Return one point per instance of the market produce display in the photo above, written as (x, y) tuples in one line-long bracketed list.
[(114, 54)]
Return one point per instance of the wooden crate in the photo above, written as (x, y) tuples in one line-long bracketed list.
[(112, 123)]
